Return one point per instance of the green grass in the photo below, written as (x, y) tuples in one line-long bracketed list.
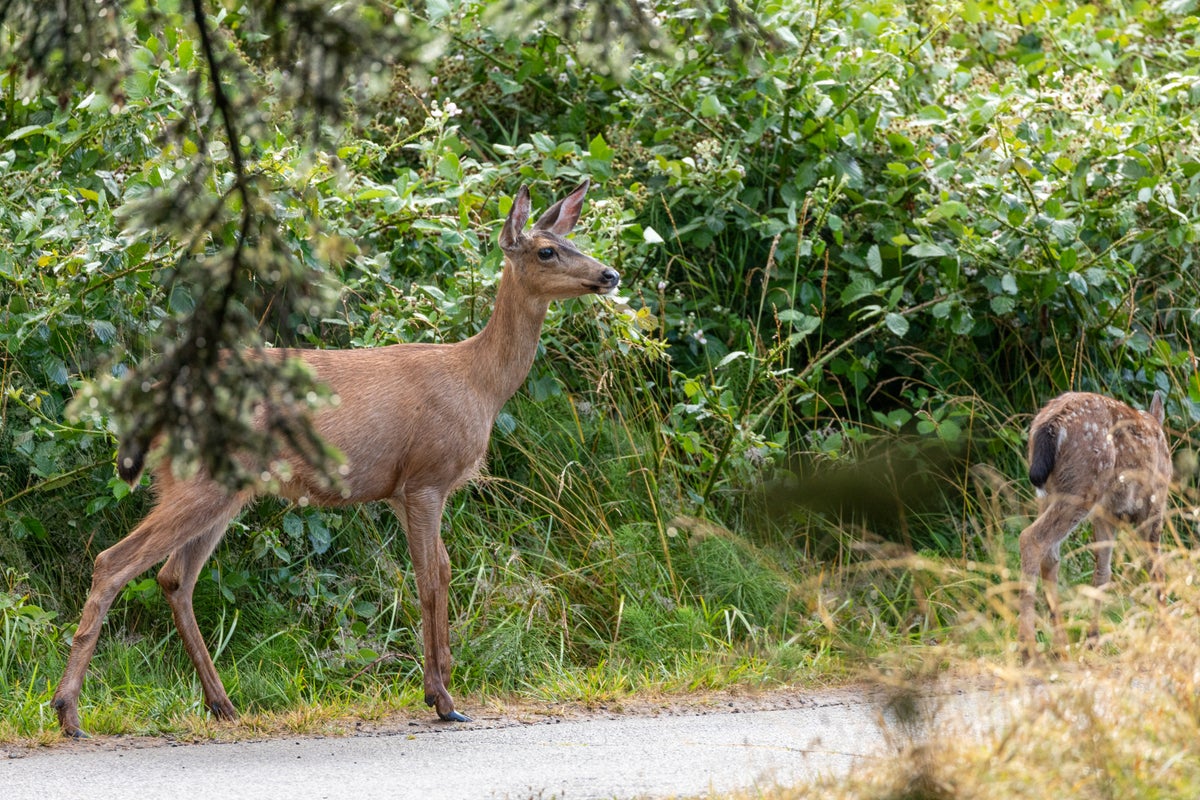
[(581, 574), (571, 583)]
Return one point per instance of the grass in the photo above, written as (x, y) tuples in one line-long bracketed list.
[(572, 584), (683, 608), (1116, 719), (822, 629)]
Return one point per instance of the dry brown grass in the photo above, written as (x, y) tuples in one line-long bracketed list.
[(1113, 719)]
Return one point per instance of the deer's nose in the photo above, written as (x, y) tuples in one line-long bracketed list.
[(610, 276)]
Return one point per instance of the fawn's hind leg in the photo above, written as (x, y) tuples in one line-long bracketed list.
[(1040, 544)]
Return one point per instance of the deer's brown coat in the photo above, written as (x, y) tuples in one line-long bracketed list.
[(1090, 455), (412, 421)]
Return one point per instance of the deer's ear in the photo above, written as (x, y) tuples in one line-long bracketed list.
[(561, 217), (1156, 407), (517, 217)]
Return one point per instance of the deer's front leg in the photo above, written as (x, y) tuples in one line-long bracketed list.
[(422, 512), (1103, 534), (1151, 531)]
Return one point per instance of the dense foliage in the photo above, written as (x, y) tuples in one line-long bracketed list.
[(873, 234)]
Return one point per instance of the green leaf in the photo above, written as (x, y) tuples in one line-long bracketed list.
[(506, 423), (293, 525), (450, 167), (862, 286), (926, 250), (437, 9), (29, 526), (599, 149), (710, 106), (734, 356), (56, 370), (801, 324), (103, 330), (86, 104), (947, 210), (507, 85), (949, 431), (318, 535), (141, 86), (375, 193), (185, 53), (27, 131), (875, 261), (98, 503), (896, 323)]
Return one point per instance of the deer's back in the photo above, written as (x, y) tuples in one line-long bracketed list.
[(402, 416), (1106, 452)]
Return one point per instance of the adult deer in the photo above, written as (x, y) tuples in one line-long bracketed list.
[(1090, 455), (413, 424)]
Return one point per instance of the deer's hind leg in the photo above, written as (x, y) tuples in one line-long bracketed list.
[(1040, 544), (178, 581), (1051, 561), (172, 523)]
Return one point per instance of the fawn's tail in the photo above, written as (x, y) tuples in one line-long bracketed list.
[(1042, 454)]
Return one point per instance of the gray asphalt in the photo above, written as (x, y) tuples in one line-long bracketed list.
[(666, 755)]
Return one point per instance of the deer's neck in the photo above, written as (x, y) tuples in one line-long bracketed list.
[(501, 354)]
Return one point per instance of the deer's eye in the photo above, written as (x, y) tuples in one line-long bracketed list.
[(546, 253)]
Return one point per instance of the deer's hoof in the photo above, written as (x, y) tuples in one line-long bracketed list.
[(453, 716), (68, 719), (222, 709)]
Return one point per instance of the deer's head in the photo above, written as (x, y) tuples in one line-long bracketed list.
[(543, 261)]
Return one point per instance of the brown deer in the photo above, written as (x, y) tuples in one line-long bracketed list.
[(1090, 455), (412, 424)]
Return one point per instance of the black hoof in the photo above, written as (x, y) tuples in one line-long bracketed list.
[(76, 733), (454, 716), (223, 711)]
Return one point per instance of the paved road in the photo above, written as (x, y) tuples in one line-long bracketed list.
[(686, 753)]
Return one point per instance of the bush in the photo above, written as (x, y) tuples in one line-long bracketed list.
[(854, 228)]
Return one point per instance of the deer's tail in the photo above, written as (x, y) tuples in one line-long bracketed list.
[(1043, 451), (131, 459)]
